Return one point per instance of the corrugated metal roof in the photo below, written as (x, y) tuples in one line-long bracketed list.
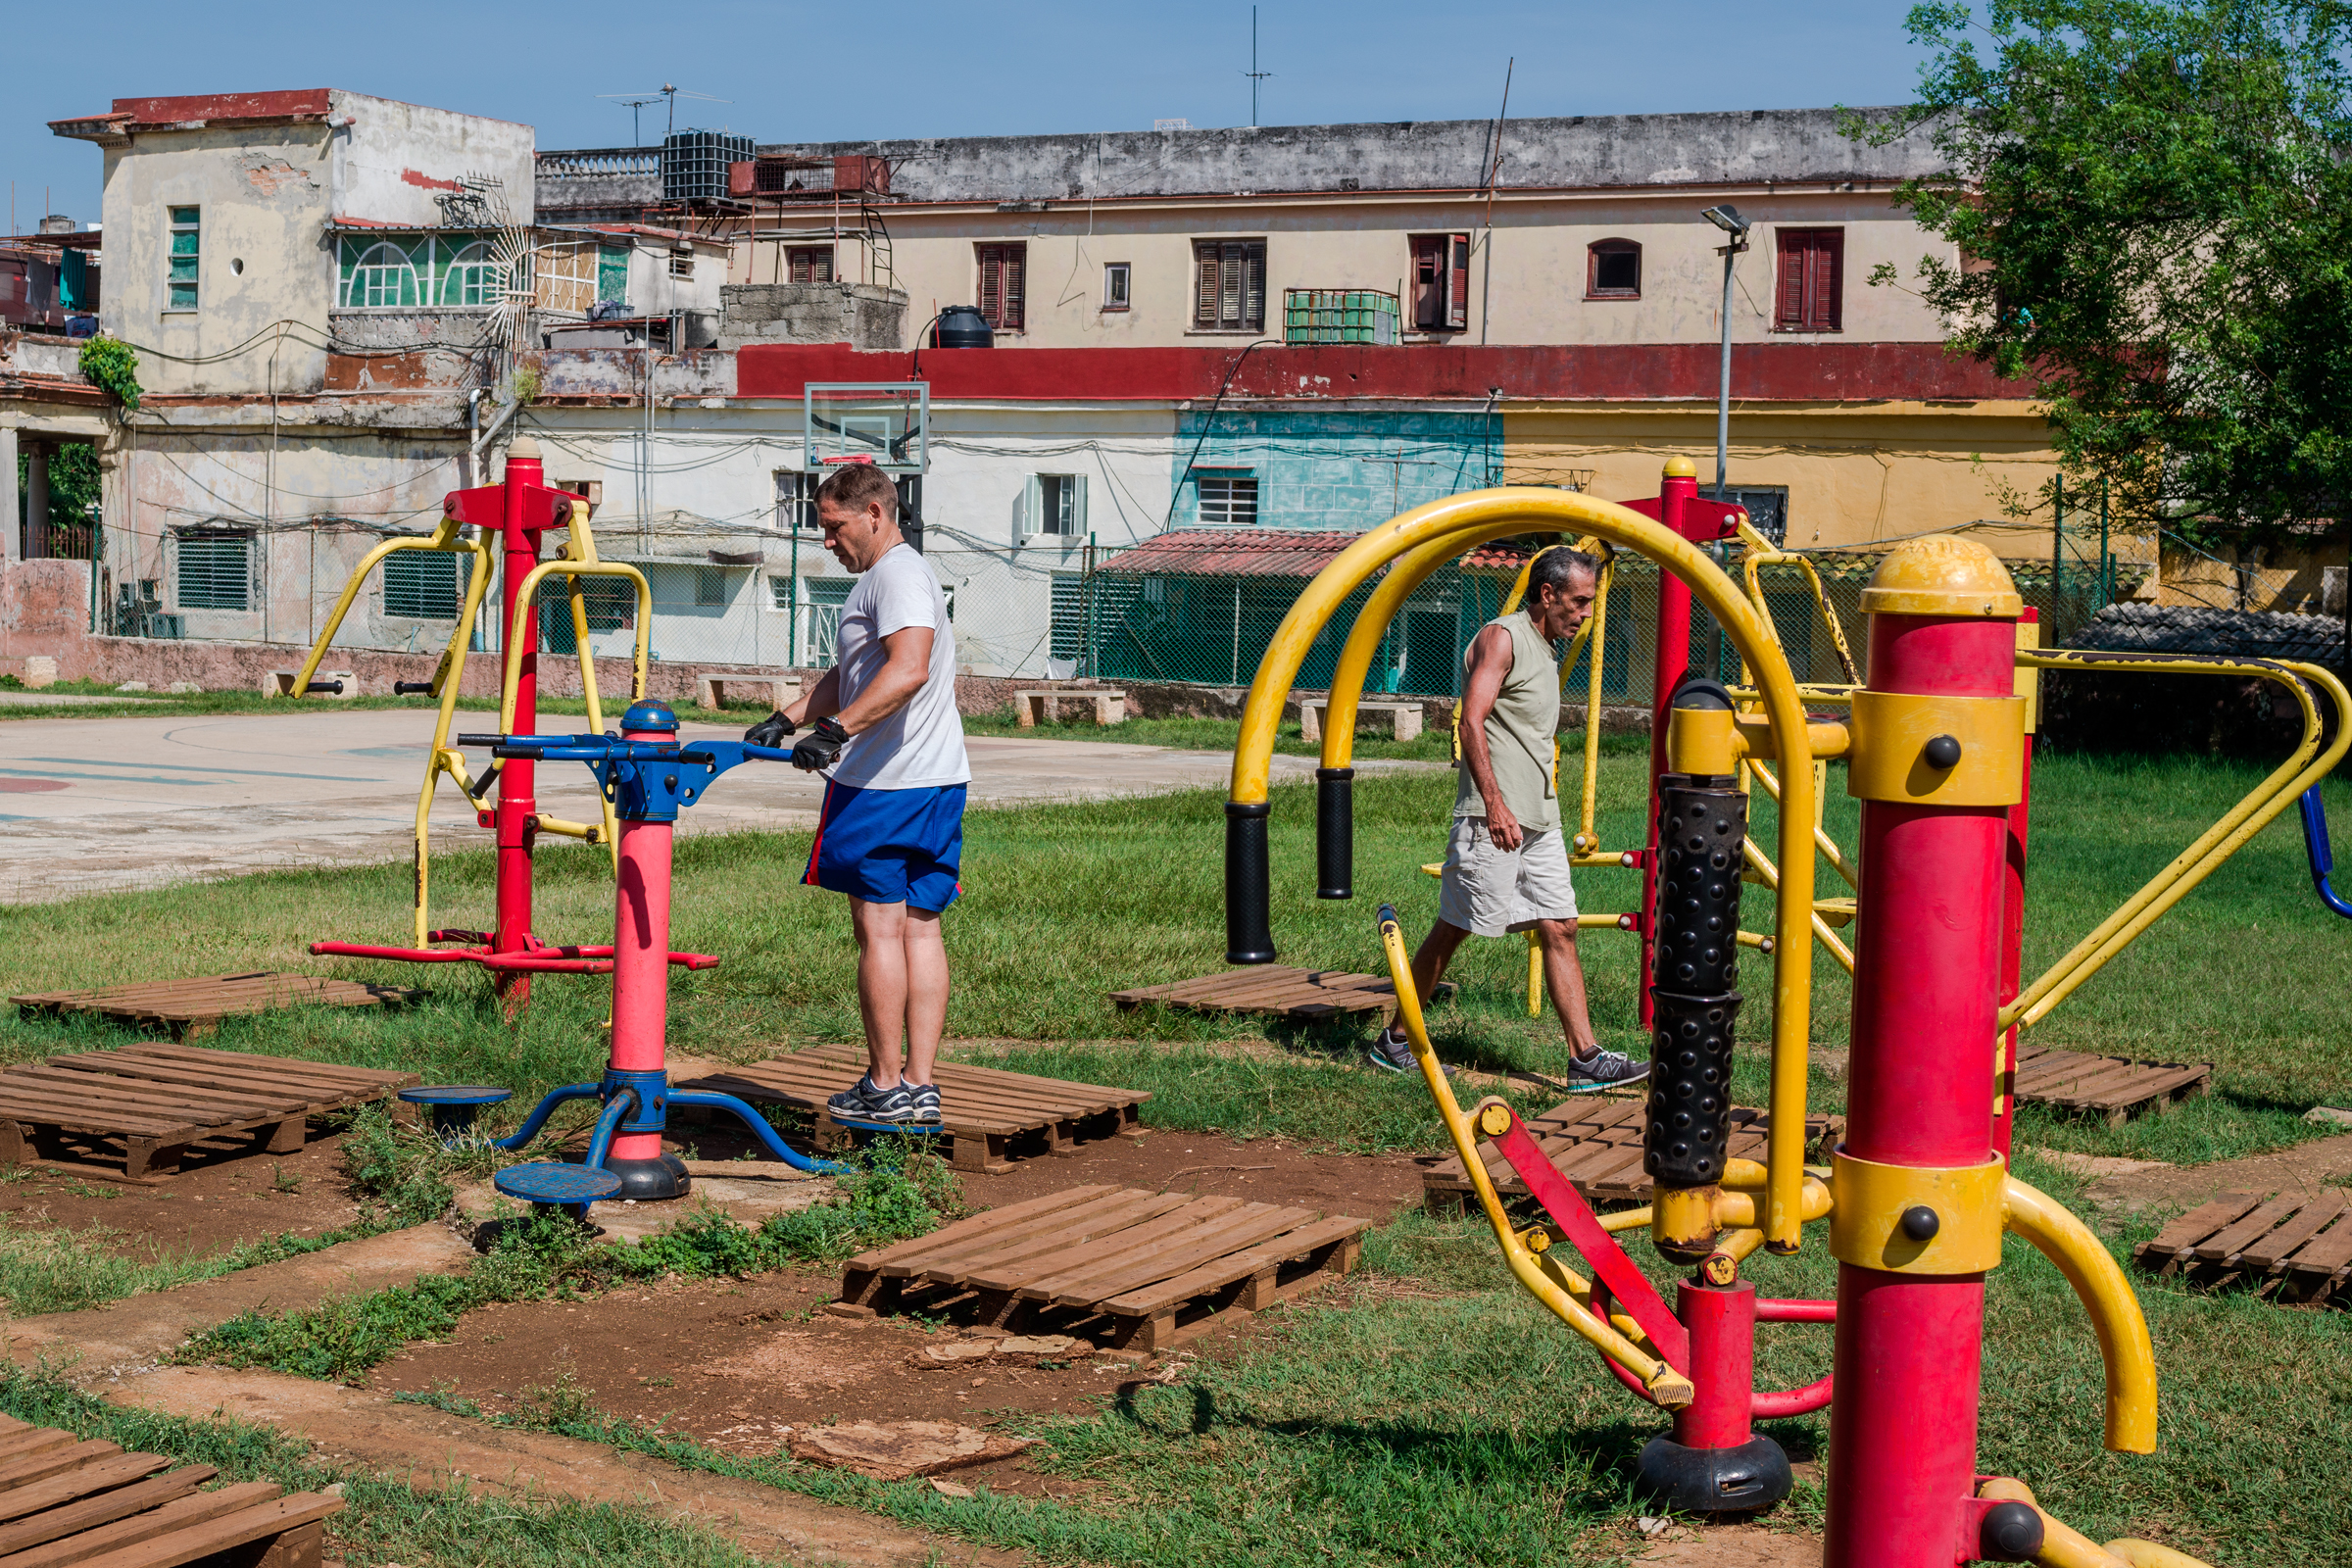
[(1233, 553)]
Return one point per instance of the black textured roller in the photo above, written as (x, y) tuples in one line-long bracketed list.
[(1702, 822), (1334, 832)]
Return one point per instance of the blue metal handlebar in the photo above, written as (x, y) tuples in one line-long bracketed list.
[(2322, 857), (647, 781)]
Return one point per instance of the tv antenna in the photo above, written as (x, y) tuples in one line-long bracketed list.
[(669, 95), (1255, 75)]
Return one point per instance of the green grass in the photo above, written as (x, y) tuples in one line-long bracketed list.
[(177, 704)]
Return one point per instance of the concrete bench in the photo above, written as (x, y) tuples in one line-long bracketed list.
[(1109, 707), (323, 683), (1401, 719), (710, 691)]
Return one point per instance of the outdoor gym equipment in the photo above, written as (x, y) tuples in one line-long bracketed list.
[(647, 776), (1917, 1198), (518, 512), (2322, 857)]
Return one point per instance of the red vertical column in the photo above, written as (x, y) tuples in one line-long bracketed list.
[(641, 956), (1677, 487), (518, 539), (1927, 969), (2013, 940)]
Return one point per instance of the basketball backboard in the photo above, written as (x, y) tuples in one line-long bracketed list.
[(882, 422)]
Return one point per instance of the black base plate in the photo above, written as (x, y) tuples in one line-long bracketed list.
[(1743, 1479), (653, 1179)]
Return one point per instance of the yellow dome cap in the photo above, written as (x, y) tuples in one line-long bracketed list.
[(1680, 467), (1942, 574)]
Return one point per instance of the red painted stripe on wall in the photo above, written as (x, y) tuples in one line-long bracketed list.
[(1799, 373)]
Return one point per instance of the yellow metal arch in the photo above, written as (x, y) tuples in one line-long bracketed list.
[(1466, 520)]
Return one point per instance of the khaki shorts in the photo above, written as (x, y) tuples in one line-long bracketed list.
[(1489, 892)]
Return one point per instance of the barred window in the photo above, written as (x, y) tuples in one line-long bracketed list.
[(427, 585), (826, 598), (215, 570), (1227, 501), (471, 280)]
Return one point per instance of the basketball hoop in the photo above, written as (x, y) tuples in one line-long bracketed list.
[(855, 456)]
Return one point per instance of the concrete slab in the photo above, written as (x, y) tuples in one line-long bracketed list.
[(744, 1198), (109, 1342), (139, 800)]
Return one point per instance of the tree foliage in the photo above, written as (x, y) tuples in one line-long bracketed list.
[(2152, 204), (112, 366)]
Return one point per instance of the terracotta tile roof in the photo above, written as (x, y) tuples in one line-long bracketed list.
[(1233, 553)]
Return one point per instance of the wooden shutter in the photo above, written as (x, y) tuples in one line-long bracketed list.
[(1204, 307), (1826, 264), (1428, 306), (1253, 287), (1457, 282), (1789, 290), (1014, 305), (991, 277)]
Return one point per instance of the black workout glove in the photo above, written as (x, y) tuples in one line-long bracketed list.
[(820, 748), (769, 731)]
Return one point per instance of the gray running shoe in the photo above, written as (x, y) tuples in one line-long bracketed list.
[(926, 1103), (1392, 1051), (1604, 1070), (862, 1101)]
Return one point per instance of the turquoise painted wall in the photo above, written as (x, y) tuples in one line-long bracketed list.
[(1339, 470)]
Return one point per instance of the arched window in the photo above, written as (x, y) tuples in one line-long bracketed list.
[(1613, 269), (383, 276), (470, 279)]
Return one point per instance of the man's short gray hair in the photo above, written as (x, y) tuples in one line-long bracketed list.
[(1555, 569)]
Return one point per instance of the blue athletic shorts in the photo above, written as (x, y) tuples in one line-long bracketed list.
[(890, 846)]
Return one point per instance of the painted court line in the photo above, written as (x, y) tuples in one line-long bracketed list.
[(182, 767)]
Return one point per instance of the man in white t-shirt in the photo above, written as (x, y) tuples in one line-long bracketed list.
[(890, 743)]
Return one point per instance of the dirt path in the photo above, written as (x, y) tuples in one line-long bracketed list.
[(356, 1427), (109, 1340), (2304, 1168), (217, 1202)]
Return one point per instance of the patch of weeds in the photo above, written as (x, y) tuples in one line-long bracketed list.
[(284, 1181), (562, 1403)]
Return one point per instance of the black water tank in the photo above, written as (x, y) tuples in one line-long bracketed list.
[(962, 327)]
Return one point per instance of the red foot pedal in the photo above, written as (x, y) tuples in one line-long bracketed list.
[(1567, 1208)]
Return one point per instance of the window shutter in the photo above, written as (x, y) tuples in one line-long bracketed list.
[(1823, 310), (1014, 303), (1030, 510), (1458, 286), (1788, 293), (1204, 311), (1253, 287), (1229, 285), (1074, 499), (990, 279)]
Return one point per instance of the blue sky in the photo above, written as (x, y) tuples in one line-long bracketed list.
[(799, 72)]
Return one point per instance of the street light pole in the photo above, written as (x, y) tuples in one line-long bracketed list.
[(1726, 218)]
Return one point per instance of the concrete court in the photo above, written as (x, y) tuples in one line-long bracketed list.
[(95, 804)]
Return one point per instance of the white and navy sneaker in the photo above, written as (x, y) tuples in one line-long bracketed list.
[(862, 1101), (1604, 1070), (1392, 1051), (926, 1103)]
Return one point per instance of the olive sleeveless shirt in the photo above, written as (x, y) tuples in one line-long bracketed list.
[(1519, 732)]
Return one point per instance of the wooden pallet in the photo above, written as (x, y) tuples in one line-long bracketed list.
[(2113, 1087), (1118, 1264), (157, 1101), (192, 1007), (2295, 1247), (988, 1116), (1296, 996), (1596, 1144), (64, 1500)]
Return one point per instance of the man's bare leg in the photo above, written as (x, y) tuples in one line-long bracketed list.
[(1564, 978), (882, 986), (926, 969), (1429, 959)]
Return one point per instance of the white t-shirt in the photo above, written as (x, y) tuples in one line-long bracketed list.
[(922, 745)]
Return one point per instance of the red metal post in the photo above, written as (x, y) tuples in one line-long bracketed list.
[(518, 537), (1927, 969), (1677, 487), (2013, 943), (1722, 1322), (641, 956)]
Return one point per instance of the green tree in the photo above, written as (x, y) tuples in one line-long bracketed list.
[(2152, 204)]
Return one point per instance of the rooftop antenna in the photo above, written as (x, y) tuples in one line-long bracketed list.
[(1255, 75), (669, 94)]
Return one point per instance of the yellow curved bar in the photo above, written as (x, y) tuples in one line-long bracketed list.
[(1821, 928), (1405, 577), (1665, 1385), (2124, 1345), (1762, 551), (1822, 841), (523, 600), (2064, 1546), (438, 755), (2250, 816), (1596, 635), (443, 539), (1482, 514)]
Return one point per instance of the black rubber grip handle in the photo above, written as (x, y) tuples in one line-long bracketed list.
[(412, 688), (521, 754), (481, 739), (1249, 892), (334, 686), (1335, 833)]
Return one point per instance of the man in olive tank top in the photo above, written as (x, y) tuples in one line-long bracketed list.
[(1506, 861)]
